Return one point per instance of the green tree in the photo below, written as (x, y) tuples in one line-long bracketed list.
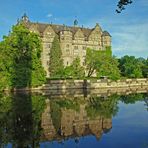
[(20, 65), (109, 67), (103, 63), (108, 51), (56, 61), (130, 67), (144, 63), (92, 61), (78, 70), (75, 70), (121, 5)]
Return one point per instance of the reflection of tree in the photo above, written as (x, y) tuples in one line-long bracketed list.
[(38, 106), (69, 104), (20, 121), (104, 107), (132, 98), (20, 117), (55, 115), (5, 106)]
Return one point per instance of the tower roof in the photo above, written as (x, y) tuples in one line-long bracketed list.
[(25, 18), (105, 33)]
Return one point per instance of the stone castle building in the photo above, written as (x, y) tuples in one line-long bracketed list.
[(74, 40)]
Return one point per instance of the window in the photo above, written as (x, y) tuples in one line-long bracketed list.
[(49, 33), (67, 50), (76, 53), (75, 47), (47, 62), (67, 45)]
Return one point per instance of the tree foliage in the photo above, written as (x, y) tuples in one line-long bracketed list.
[(145, 68), (130, 67), (56, 61), (75, 70), (102, 63), (92, 60), (20, 59), (109, 67), (121, 5)]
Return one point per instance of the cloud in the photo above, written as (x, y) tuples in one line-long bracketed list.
[(131, 39), (49, 15)]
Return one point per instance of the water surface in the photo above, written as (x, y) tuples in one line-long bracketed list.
[(106, 121)]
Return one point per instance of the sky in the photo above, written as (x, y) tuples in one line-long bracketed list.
[(129, 29)]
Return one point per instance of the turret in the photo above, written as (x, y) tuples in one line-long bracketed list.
[(75, 22), (106, 39)]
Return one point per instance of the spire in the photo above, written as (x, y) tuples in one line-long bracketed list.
[(75, 22), (97, 25), (25, 18)]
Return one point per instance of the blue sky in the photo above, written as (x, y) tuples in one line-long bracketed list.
[(129, 29)]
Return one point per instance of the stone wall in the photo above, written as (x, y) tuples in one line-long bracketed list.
[(94, 84)]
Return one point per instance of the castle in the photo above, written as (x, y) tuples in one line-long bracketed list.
[(74, 40)]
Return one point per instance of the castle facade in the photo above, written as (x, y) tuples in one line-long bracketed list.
[(74, 40)]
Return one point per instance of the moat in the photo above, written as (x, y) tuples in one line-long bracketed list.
[(74, 119)]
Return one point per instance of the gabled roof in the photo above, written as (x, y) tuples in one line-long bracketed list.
[(57, 28)]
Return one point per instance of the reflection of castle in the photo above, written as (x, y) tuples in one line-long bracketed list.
[(74, 124)]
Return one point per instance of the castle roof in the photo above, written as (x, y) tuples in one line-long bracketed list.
[(105, 33), (58, 28)]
